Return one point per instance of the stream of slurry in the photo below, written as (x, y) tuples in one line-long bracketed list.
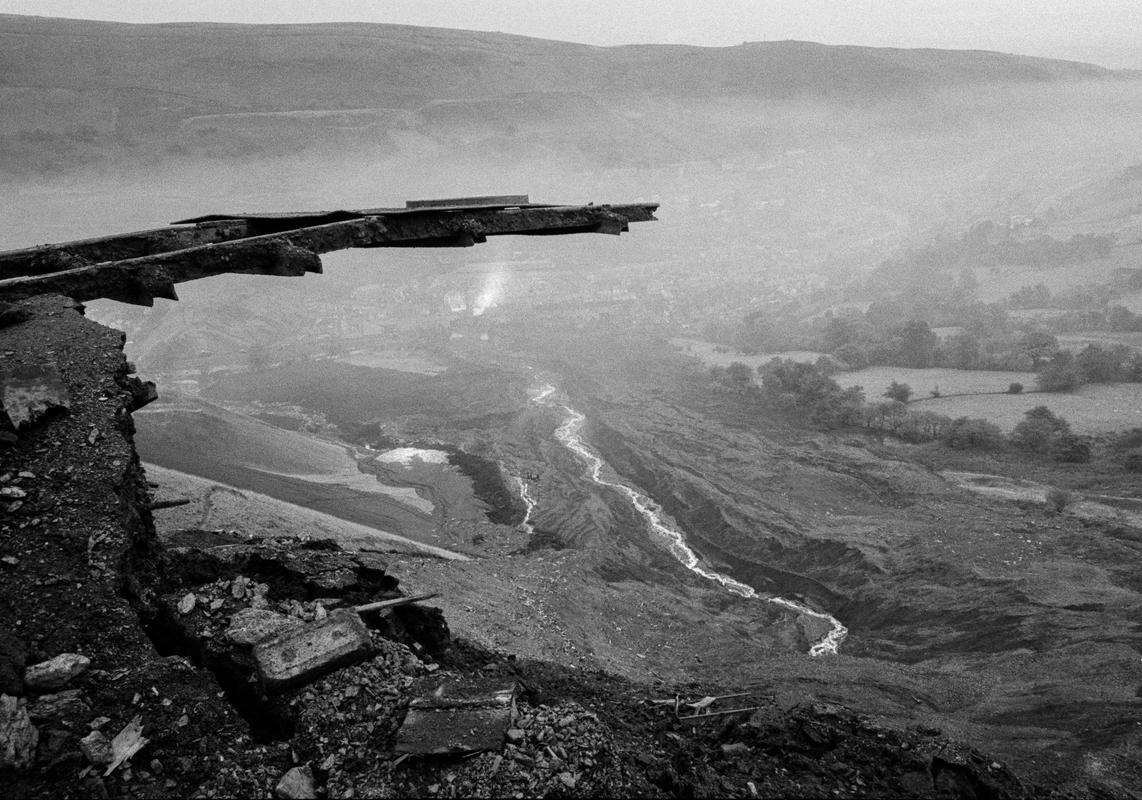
[(569, 436)]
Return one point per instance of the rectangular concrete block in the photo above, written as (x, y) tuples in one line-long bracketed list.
[(299, 657)]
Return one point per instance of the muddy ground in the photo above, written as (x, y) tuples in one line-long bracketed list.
[(84, 573)]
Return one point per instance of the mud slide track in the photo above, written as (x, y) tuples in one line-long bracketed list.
[(569, 435)]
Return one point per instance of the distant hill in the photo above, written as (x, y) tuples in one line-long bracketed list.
[(70, 88), (290, 67)]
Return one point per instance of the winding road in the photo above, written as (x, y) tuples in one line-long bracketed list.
[(569, 434)]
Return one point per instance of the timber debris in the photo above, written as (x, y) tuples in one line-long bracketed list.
[(138, 267)]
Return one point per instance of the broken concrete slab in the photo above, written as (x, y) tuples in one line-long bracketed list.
[(30, 393), (252, 625), (298, 657), (455, 720), (18, 736), (55, 673)]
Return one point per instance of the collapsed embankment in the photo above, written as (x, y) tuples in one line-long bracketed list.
[(166, 698)]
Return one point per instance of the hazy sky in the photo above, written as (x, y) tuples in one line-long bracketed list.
[(1107, 32)]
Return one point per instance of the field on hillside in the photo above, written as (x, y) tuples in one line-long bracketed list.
[(710, 354), (998, 283), (1092, 409), (1077, 341), (923, 381)]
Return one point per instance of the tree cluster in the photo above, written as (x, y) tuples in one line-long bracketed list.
[(818, 399)]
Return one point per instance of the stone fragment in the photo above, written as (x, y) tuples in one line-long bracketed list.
[(735, 748), (29, 393), (300, 656), (56, 672), (186, 604), (97, 747), (515, 735), (18, 736), (127, 742), (297, 784), (252, 625), (12, 493), (64, 708)]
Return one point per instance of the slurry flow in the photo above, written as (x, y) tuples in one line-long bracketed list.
[(569, 435), (529, 501)]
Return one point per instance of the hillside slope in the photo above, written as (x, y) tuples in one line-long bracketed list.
[(75, 91)]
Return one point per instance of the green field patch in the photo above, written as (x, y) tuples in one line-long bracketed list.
[(924, 381), (1091, 409)]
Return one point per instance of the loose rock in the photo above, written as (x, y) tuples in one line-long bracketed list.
[(18, 736), (97, 747), (57, 672), (297, 784)]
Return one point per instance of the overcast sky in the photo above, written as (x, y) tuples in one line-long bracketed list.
[(1107, 32)]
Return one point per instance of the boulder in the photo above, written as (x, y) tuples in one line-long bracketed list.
[(297, 784), (18, 736), (57, 672), (29, 393), (66, 708), (97, 747)]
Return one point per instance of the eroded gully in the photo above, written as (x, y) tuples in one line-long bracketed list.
[(569, 435)]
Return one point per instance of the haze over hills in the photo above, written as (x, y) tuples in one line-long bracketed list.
[(799, 183), (77, 88)]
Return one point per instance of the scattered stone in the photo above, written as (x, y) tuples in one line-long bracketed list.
[(298, 657), (13, 493), (186, 604), (10, 560), (515, 735), (56, 672), (297, 784), (97, 747), (18, 736), (567, 779), (30, 393)]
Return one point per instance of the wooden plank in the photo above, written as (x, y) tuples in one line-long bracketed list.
[(50, 258), (295, 252)]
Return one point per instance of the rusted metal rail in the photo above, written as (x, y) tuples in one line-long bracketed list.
[(138, 267)]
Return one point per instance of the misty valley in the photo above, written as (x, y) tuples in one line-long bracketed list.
[(856, 424)]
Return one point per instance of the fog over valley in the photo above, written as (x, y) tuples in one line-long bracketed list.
[(849, 437)]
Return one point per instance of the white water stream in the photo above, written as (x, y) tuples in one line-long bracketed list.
[(569, 435)]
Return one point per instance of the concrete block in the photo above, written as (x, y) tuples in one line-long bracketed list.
[(298, 657)]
